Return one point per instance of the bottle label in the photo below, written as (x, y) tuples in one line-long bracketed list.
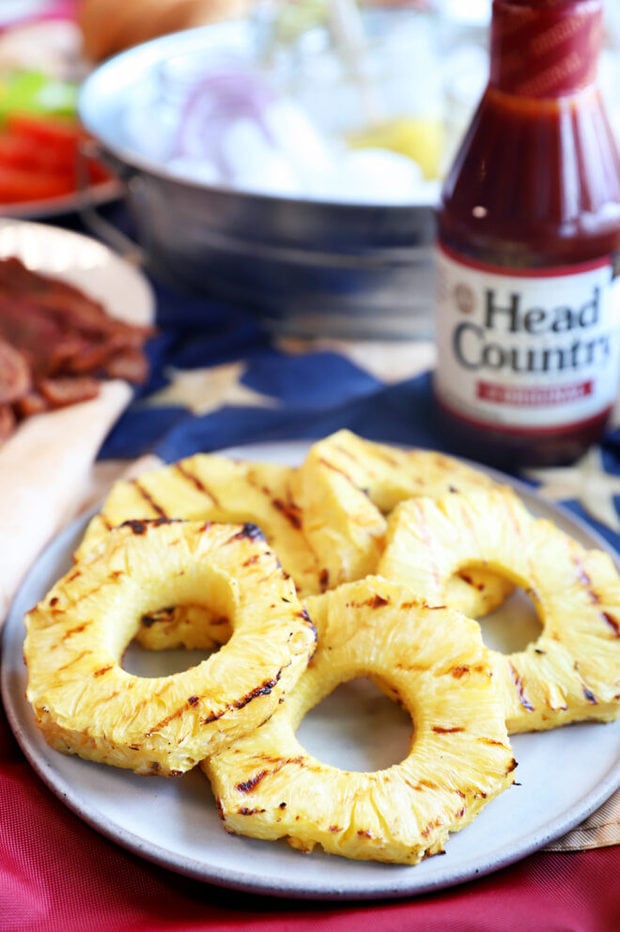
[(545, 49), (527, 348)]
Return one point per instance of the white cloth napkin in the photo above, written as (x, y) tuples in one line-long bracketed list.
[(46, 471)]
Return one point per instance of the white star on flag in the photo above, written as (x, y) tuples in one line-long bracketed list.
[(206, 390), (587, 482)]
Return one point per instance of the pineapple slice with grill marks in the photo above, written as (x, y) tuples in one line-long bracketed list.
[(214, 488), (268, 786), (571, 672), (346, 487), (86, 704)]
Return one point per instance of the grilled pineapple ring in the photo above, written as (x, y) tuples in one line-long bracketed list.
[(572, 671), (86, 704), (347, 486), (211, 487), (268, 786)]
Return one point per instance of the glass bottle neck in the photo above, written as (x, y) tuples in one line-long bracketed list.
[(545, 48)]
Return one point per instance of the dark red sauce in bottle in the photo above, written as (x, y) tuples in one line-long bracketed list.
[(528, 258)]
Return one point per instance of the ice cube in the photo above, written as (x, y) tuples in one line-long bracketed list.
[(373, 176), (252, 163)]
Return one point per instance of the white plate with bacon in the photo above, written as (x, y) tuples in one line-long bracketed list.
[(46, 458)]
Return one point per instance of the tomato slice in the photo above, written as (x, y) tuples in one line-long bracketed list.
[(22, 184), (54, 134), (38, 156)]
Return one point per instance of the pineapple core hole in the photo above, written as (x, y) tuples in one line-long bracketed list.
[(512, 626), (149, 663), (357, 728), (175, 638)]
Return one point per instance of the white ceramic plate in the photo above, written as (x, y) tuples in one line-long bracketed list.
[(562, 775), (83, 261)]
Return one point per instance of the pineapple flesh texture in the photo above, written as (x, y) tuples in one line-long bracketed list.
[(86, 704), (267, 786), (572, 671), (348, 485), (214, 488)]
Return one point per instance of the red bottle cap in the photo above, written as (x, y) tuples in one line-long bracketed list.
[(545, 48)]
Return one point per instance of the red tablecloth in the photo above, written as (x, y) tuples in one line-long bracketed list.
[(56, 873)]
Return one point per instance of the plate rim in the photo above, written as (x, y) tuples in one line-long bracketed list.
[(95, 195), (50, 233), (27, 737)]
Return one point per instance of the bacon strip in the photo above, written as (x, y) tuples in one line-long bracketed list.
[(57, 344)]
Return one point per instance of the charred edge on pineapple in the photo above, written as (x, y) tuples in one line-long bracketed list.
[(141, 525), (161, 615), (251, 531), (308, 620)]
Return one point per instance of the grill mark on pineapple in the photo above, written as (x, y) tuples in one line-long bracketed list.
[(288, 509), (493, 742), (190, 477), (263, 690), (103, 670), (431, 826), (341, 472), (612, 622), (148, 498), (251, 561), (518, 681), (586, 582), (589, 695), (447, 730), (77, 659), (248, 786), (374, 601), (475, 584), (77, 630), (422, 785)]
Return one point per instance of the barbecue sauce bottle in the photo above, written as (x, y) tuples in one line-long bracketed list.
[(528, 253)]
